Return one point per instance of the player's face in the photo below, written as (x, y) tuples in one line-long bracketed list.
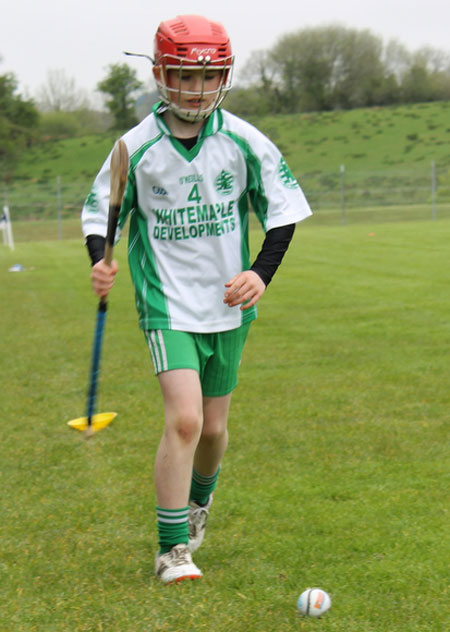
[(193, 89)]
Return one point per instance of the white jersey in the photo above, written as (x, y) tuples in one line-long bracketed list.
[(189, 216)]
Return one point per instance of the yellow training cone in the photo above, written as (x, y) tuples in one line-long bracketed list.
[(99, 421)]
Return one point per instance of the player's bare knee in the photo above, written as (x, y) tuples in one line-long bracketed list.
[(211, 433), (186, 427)]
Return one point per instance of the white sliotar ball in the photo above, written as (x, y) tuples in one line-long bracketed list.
[(313, 602)]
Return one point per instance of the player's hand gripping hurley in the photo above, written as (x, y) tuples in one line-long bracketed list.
[(119, 174)]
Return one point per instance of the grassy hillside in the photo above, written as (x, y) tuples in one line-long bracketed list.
[(364, 140), (77, 158), (387, 153)]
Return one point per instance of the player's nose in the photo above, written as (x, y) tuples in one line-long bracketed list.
[(196, 84)]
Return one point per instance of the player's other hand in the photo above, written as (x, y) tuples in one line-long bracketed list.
[(102, 277), (245, 289)]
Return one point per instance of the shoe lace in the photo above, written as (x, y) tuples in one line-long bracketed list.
[(198, 518), (200, 514), (180, 555)]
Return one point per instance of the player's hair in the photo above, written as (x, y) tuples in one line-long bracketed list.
[(192, 42)]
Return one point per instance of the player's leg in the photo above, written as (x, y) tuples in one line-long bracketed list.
[(219, 378), (183, 417), (176, 363), (214, 436), (208, 457)]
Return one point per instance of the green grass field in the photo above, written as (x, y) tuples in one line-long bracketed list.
[(336, 474)]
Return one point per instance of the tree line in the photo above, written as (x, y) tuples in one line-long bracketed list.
[(61, 111), (19, 119), (313, 69), (336, 67)]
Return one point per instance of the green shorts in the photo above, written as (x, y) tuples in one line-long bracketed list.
[(216, 357)]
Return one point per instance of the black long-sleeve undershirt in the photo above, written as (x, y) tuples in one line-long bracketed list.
[(272, 252), (96, 247)]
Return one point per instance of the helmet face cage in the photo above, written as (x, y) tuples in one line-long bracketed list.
[(172, 96), (191, 42)]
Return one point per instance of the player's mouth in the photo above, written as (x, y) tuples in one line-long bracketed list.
[(196, 103)]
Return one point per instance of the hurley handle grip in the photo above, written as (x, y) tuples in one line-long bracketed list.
[(119, 175)]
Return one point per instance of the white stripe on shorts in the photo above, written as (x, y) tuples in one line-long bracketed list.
[(162, 347), (158, 350), (150, 346)]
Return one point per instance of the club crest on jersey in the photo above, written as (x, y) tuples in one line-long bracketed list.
[(224, 182), (286, 175), (91, 203)]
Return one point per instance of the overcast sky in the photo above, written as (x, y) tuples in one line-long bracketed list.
[(84, 36)]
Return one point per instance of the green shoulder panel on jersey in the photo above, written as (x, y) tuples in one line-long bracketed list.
[(213, 124), (255, 190), (129, 198), (255, 185), (137, 155)]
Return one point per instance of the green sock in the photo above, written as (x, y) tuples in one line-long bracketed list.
[(173, 527), (202, 487)]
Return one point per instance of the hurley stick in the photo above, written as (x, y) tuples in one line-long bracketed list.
[(119, 175)]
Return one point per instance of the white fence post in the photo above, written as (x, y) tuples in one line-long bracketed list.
[(5, 227), (59, 205), (344, 220)]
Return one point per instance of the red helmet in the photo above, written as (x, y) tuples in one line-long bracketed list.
[(197, 43)]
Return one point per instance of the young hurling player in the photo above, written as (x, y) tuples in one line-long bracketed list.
[(194, 171)]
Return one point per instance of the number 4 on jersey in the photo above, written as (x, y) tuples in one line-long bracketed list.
[(194, 195)]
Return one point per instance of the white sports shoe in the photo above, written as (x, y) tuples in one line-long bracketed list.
[(176, 565), (198, 516)]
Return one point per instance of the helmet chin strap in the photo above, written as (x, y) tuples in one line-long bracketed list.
[(188, 116), (183, 126)]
